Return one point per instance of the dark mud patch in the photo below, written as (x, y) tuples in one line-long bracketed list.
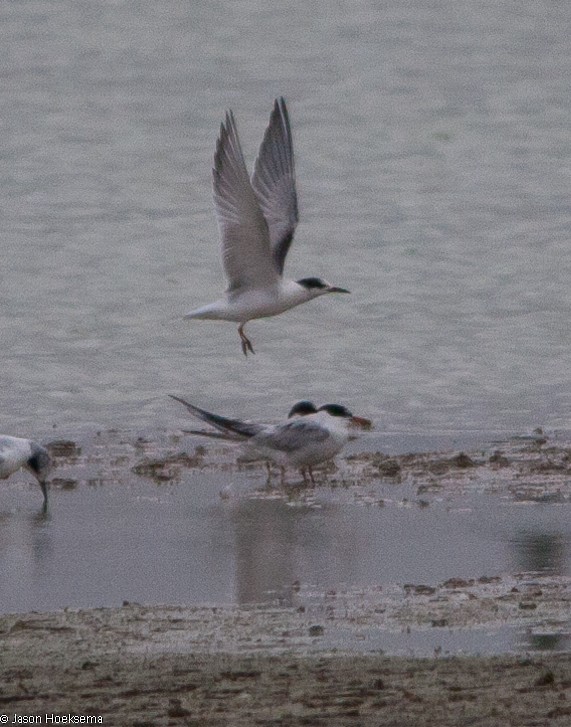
[(168, 468)]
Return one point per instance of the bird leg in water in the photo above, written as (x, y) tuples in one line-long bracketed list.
[(269, 471), (246, 343), (305, 471), (44, 486)]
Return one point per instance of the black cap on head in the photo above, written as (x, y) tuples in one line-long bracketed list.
[(40, 462), (336, 410), (319, 286), (302, 408), (312, 283)]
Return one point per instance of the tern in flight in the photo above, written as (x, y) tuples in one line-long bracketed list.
[(16, 453), (257, 220), (310, 435)]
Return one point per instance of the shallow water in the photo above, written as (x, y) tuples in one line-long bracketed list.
[(432, 150), (181, 542), (433, 164)]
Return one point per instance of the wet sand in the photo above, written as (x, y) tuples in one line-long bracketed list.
[(231, 665), (133, 666)]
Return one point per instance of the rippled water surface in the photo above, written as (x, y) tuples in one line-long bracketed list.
[(180, 543), (432, 146), (433, 161)]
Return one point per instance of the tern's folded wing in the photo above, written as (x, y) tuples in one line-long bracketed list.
[(274, 183), (246, 252), (242, 429), (292, 436)]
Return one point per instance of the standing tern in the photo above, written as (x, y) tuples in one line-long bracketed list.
[(310, 435), (16, 453), (257, 220), (301, 408)]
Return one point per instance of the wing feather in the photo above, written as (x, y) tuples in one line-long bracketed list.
[(273, 182), (223, 424), (246, 253), (291, 436)]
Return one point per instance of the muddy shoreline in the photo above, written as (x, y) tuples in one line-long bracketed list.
[(221, 664), (532, 469), (108, 663)]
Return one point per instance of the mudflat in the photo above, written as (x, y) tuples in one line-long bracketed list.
[(136, 666), (221, 664)]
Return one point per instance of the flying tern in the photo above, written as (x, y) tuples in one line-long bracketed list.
[(16, 452), (257, 220), (310, 435)]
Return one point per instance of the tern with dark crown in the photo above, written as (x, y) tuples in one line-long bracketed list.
[(257, 220), (310, 435)]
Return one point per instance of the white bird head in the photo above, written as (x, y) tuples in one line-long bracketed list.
[(314, 287)]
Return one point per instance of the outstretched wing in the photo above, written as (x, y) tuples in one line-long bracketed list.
[(292, 436), (246, 252), (274, 183), (245, 430)]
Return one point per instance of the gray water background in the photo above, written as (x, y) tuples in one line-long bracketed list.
[(432, 143), (432, 148)]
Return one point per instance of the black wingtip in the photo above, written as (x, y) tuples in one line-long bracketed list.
[(180, 400)]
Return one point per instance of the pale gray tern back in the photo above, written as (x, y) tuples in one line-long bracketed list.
[(307, 438), (16, 452), (257, 220)]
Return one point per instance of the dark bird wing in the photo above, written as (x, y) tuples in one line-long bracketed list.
[(245, 430), (273, 181)]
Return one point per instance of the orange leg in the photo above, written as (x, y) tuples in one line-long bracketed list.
[(246, 343)]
